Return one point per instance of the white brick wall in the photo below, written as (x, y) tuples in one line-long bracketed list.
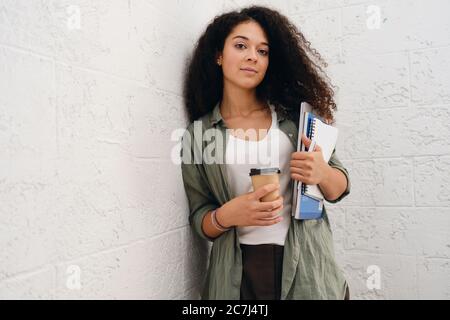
[(85, 174), (85, 121), (393, 101)]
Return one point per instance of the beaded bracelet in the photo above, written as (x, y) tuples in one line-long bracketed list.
[(216, 223)]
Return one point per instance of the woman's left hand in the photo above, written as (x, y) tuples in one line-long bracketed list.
[(309, 167)]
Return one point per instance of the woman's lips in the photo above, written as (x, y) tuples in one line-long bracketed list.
[(249, 71)]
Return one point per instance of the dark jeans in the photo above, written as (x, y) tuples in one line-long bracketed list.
[(262, 267)]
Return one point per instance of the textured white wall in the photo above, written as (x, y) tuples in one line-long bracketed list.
[(87, 187), (85, 174), (394, 111)]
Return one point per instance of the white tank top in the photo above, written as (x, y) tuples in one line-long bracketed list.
[(274, 150)]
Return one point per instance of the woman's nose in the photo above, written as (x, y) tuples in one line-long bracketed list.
[(252, 55)]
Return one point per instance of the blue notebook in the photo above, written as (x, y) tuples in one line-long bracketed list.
[(309, 208)]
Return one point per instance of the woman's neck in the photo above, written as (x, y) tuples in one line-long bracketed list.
[(239, 103)]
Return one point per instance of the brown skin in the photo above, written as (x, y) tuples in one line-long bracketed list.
[(239, 86)]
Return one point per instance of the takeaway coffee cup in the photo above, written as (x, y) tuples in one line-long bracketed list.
[(263, 176)]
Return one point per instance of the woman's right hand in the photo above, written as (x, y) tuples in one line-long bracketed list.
[(248, 210)]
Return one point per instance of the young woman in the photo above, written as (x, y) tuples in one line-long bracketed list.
[(249, 72)]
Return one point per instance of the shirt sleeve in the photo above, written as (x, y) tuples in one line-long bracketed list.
[(200, 199), (334, 162)]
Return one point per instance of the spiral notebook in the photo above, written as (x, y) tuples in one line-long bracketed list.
[(326, 137), (308, 199)]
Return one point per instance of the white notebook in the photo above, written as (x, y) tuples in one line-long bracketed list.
[(326, 137)]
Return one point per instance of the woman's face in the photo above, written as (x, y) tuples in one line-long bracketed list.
[(245, 55)]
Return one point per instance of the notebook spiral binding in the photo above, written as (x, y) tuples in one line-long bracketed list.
[(311, 132)]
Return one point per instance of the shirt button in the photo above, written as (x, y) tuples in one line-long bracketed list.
[(290, 134)]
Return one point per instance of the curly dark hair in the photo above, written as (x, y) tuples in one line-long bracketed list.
[(294, 73)]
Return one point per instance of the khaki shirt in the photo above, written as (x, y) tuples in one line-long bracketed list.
[(309, 267)]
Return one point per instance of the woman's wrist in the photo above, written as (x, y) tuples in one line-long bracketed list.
[(328, 171), (221, 220)]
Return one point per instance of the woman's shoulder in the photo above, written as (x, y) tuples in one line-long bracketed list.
[(207, 120), (202, 121)]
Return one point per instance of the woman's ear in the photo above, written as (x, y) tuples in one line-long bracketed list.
[(219, 59)]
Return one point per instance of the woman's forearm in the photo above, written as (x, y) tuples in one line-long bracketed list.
[(334, 184)]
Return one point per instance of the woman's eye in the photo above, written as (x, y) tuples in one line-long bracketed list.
[(241, 46)]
